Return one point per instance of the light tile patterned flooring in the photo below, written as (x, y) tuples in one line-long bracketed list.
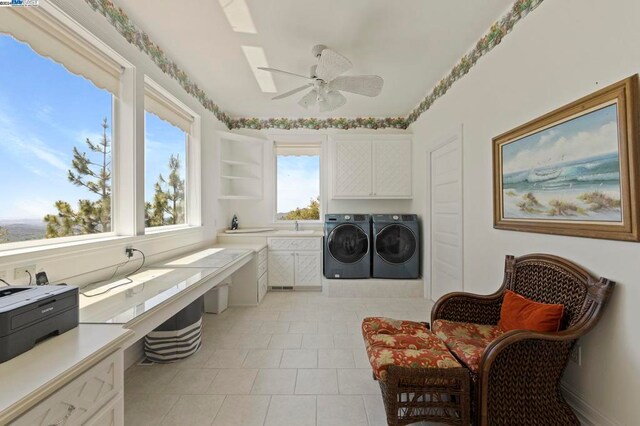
[(297, 359)]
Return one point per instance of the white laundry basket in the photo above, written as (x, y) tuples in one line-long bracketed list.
[(216, 301)]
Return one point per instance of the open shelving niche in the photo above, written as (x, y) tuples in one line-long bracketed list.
[(241, 167)]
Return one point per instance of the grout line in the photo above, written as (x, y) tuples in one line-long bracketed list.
[(268, 407)]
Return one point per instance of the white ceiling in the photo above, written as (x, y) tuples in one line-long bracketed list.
[(412, 44)]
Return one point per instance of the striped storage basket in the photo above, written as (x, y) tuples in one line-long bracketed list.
[(177, 338)]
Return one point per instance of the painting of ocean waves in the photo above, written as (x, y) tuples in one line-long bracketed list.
[(568, 172)]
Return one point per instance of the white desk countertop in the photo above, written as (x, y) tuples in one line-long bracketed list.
[(29, 378), (154, 286)]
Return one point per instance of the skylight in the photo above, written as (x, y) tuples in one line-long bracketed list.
[(238, 15), (256, 58)]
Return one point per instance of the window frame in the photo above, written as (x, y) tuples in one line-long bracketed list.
[(319, 141), (92, 45), (192, 188), (127, 157)]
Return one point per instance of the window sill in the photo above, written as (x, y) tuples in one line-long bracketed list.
[(83, 245)]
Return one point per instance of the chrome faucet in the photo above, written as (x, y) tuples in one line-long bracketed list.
[(296, 226)]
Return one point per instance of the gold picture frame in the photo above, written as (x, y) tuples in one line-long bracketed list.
[(574, 171)]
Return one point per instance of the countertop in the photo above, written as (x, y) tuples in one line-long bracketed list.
[(270, 234), (154, 286), (32, 376)]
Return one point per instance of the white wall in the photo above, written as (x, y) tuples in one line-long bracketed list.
[(562, 51), (252, 213), (64, 264)]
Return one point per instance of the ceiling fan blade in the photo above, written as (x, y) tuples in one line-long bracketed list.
[(283, 72), (309, 100), (366, 85), (292, 92), (332, 100), (331, 64)]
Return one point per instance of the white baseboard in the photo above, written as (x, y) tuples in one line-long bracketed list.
[(587, 414)]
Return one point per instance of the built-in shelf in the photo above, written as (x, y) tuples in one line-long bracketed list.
[(240, 167)]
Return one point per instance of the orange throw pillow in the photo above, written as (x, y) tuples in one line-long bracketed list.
[(520, 313)]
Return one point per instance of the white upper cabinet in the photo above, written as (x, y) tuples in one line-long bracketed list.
[(392, 168), (371, 167), (353, 165)]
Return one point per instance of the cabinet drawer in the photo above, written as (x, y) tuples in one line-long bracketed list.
[(262, 255), (111, 414), (262, 268), (295, 243), (82, 398)]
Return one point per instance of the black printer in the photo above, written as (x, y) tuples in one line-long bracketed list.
[(29, 315)]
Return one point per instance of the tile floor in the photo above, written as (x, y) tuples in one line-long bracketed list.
[(297, 359)]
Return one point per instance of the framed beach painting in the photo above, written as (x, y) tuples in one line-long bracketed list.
[(574, 171)]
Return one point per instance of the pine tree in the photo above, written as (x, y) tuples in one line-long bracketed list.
[(94, 175), (167, 207)]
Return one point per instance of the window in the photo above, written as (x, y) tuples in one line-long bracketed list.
[(298, 182), (166, 138), (55, 142)]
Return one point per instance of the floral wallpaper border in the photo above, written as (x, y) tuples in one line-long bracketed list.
[(135, 36), (119, 19), (491, 39)]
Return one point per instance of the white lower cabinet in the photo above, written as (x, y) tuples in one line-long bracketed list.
[(93, 398), (295, 262), (281, 268), (308, 269)]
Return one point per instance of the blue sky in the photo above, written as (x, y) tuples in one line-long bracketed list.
[(298, 181), (44, 112), (586, 136)]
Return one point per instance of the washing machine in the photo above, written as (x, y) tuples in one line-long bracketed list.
[(347, 245), (396, 246)]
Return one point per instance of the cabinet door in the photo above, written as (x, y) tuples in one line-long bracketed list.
[(392, 161), (352, 168), (281, 267), (308, 269)]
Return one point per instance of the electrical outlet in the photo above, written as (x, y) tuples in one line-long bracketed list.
[(576, 355), (20, 273)]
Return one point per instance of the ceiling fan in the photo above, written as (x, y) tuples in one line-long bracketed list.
[(326, 81)]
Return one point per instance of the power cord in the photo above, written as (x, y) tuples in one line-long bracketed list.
[(5, 283), (30, 276), (128, 280)]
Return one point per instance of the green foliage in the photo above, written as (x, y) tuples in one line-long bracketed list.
[(311, 212), (4, 235), (95, 175), (167, 207), (599, 201)]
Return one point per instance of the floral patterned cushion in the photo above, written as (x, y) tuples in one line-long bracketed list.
[(405, 344), (382, 358), (381, 325), (420, 340), (466, 340)]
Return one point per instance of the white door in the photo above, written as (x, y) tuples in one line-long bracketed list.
[(281, 267), (392, 168), (308, 269), (352, 168), (446, 218)]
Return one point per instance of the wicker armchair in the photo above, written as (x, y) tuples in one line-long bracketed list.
[(518, 379)]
